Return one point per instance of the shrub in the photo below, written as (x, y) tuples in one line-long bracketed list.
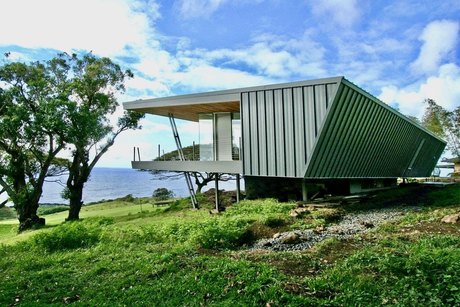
[(45, 210), (259, 207), (128, 198), (71, 235), (220, 234), (162, 194)]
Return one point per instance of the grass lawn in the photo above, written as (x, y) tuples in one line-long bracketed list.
[(174, 256)]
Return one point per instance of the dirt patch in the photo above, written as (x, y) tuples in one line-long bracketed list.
[(335, 250), (432, 228), (259, 230), (297, 264)]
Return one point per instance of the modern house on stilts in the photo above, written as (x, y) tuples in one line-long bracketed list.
[(283, 138)]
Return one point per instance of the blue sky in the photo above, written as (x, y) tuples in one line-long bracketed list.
[(400, 51)]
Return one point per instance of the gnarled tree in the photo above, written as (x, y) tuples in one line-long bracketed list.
[(30, 116), (94, 82)]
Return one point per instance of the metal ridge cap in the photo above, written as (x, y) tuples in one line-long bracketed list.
[(139, 103)]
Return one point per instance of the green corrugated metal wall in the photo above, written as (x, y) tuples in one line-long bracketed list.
[(331, 128), (364, 138)]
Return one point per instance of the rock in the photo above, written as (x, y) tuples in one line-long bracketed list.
[(319, 229), (451, 218), (276, 235), (267, 244), (367, 224), (299, 212), (290, 238), (71, 299)]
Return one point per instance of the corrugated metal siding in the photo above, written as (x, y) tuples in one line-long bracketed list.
[(280, 127), (362, 138)]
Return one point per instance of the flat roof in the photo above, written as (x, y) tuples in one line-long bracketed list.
[(189, 106)]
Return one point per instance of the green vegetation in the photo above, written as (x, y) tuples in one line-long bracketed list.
[(7, 213), (50, 209), (174, 256), (190, 153), (162, 194), (443, 123), (46, 106)]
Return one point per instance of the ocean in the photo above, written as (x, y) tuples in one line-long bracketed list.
[(111, 183)]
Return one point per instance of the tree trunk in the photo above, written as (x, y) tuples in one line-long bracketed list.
[(75, 201), (26, 202), (200, 184), (28, 217)]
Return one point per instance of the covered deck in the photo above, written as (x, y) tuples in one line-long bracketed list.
[(218, 115)]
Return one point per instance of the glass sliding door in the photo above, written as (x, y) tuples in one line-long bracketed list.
[(220, 136)]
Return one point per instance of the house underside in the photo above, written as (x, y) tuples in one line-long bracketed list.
[(285, 137)]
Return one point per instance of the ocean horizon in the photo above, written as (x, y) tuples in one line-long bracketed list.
[(107, 183), (110, 183)]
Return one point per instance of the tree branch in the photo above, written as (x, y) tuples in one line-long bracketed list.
[(6, 187)]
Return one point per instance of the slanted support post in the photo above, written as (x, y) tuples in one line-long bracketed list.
[(304, 190), (238, 188), (216, 181)]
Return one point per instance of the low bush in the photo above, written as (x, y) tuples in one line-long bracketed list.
[(45, 210), (259, 207), (162, 194), (220, 234), (71, 235)]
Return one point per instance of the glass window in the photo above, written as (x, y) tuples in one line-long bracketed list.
[(206, 125), (236, 136)]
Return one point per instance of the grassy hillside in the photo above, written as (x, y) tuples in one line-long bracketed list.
[(189, 152), (175, 256)]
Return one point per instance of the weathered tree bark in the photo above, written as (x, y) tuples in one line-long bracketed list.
[(202, 181), (25, 200), (78, 174), (75, 202)]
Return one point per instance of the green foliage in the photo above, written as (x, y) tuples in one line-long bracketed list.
[(191, 257), (71, 235), (45, 210), (31, 112), (7, 213), (188, 153), (262, 207), (162, 194), (447, 196), (396, 271), (443, 123)]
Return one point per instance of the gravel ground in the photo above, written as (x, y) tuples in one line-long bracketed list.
[(350, 225)]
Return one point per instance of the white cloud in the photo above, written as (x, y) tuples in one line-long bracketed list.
[(142, 88), (343, 12), (439, 38), (189, 9), (198, 8), (206, 77), (444, 88), (271, 56), (103, 26)]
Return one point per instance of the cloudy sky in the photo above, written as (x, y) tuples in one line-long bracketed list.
[(400, 51)]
